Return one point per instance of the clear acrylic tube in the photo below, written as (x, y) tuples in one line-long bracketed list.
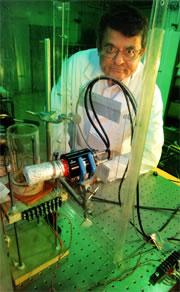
[(23, 144), (152, 62)]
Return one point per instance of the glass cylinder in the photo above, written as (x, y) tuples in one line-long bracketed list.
[(23, 144)]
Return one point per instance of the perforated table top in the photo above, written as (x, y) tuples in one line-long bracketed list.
[(92, 243)]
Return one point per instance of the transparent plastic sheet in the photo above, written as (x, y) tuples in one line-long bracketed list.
[(150, 73), (8, 78)]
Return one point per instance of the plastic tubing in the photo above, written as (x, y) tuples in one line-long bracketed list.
[(152, 62)]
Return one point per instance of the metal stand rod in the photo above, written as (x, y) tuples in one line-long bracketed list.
[(5, 273), (55, 227), (71, 191), (8, 169), (85, 201), (17, 245), (10, 190)]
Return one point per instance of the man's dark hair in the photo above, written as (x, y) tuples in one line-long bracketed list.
[(126, 19)]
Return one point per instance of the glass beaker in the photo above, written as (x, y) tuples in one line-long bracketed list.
[(23, 144)]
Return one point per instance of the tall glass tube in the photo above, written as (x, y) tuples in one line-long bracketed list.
[(152, 62), (47, 47), (59, 102)]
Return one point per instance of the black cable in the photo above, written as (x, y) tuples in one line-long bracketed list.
[(96, 116), (136, 228), (174, 239), (128, 96), (139, 217), (106, 142), (147, 237), (106, 138), (132, 132), (156, 208), (120, 185), (168, 220), (131, 121)]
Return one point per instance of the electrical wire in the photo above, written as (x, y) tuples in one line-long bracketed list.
[(128, 97), (125, 274), (174, 239), (136, 228), (104, 138), (88, 96), (120, 184), (123, 88), (157, 208), (168, 220), (62, 253), (55, 233), (147, 237), (141, 231), (96, 116)]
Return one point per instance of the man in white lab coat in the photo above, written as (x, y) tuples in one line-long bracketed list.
[(120, 46)]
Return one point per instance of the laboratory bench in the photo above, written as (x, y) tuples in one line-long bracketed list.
[(86, 257)]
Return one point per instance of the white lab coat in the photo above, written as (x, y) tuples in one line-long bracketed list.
[(80, 69)]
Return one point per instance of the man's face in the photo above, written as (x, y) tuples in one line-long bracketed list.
[(120, 55)]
